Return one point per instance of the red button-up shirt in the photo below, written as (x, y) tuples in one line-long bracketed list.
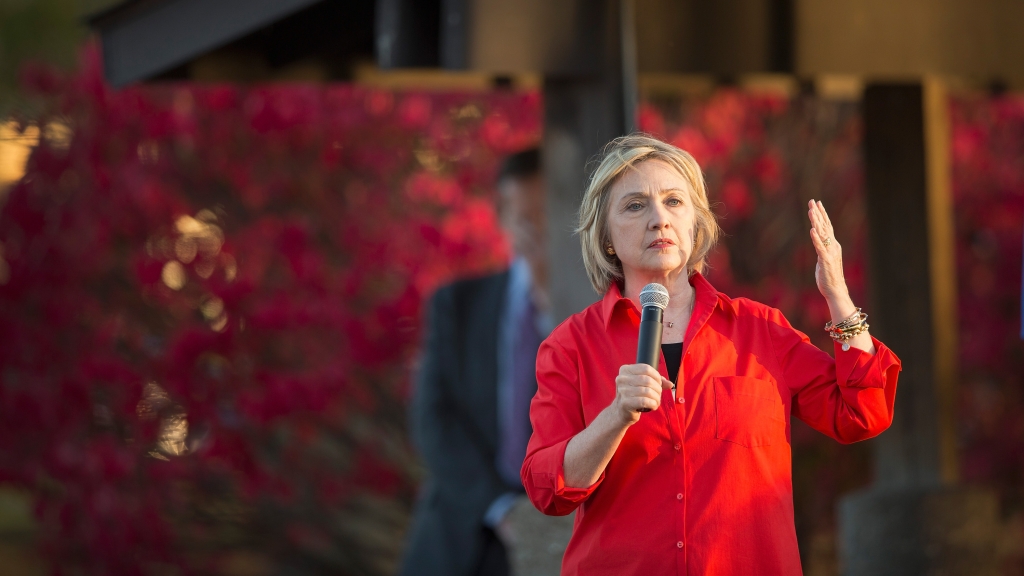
[(702, 485)]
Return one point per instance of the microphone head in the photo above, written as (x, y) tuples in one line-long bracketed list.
[(654, 294)]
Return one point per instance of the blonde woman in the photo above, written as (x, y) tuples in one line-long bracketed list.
[(700, 484)]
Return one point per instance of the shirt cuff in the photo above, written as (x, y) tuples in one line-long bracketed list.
[(858, 369), (545, 482), (498, 509), (575, 494)]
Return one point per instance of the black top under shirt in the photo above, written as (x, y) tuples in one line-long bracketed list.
[(673, 356)]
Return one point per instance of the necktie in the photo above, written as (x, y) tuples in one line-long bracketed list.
[(523, 381)]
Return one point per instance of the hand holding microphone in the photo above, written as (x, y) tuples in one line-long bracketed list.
[(639, 386)]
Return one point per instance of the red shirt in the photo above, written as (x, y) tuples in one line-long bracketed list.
[(702, 485)]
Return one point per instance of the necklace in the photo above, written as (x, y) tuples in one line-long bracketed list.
[(671, 324)]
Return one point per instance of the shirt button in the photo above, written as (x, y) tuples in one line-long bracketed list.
[(677, 447), (681, 399), (679, 544), (679, 496)]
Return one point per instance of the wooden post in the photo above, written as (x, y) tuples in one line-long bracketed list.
[(914, 520), (942, 272), (901, 262), (583, 109), (581, 114), (910, 211)]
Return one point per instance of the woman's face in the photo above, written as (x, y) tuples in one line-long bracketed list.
[(651, 219)]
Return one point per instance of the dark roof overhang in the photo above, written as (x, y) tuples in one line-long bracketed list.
[(142, 39)]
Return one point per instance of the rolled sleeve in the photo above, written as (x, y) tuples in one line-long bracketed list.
[(857, 368), (557, 416), (851, 397), (544, 478)]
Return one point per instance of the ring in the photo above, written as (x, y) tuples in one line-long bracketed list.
[(827, 241)]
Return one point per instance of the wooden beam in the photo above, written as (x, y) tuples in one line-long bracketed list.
[(902, 309), (581, 114), (977, 39), (914, 519), (942, 271), (909, 199)]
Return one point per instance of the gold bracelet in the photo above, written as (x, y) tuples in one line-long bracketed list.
[(848, 328), (856, 318)]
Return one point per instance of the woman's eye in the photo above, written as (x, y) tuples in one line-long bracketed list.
[(634, 206), (675, 202)]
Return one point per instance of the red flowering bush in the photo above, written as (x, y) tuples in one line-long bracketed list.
[(209, 303), (988, 188)]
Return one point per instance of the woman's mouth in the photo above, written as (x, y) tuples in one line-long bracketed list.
[(661, 243)]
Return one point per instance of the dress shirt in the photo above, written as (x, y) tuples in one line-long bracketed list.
[(703, 485), (513, 433)]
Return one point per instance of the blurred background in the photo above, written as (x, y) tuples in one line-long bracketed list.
[(219, 220)]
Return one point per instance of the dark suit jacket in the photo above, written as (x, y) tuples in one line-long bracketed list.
[(454, 425)]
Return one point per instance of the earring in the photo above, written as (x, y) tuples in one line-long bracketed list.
[(609, 250)]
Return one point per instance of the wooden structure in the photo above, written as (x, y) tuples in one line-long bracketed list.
[(590, 54)]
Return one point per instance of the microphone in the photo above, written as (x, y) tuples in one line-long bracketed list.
[(654, 300)]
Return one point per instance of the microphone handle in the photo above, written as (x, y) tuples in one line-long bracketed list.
[(648, 348)]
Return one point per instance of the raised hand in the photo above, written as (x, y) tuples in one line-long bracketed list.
[(828, 272)]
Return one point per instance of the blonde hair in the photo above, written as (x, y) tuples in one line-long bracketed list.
[(619, 155)]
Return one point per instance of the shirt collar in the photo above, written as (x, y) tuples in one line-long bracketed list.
[(520, 293), (706, 300)]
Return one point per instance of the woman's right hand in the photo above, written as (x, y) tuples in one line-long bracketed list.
[(587, 454), (637, 386)]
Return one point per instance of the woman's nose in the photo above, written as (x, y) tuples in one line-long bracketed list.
[(659, 218)]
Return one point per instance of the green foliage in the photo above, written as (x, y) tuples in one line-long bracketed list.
[(48, 31)]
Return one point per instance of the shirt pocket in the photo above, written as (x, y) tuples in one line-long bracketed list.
[(748, 411)]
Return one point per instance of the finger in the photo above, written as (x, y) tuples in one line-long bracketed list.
[(819, 245), (819, 219), (640, 370), (639, 383), (648, 401), (824, 215), (825, 222), (650, 389), (822, 227), (644, 392), (816, 230), (812, 215), (646, 405)]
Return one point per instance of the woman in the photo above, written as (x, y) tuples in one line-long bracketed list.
[(702, 483)]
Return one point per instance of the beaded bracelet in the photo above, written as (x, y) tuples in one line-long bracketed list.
[(845, 330)]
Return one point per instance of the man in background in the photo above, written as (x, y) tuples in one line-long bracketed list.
[(471, 403)]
